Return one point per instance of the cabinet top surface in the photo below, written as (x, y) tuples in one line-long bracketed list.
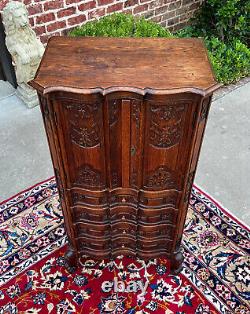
[(97, 64)]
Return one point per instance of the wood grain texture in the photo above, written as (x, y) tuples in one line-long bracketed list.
[(141, 65), (125, 154)]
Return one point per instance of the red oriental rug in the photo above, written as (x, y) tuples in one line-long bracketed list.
[(33, 279)]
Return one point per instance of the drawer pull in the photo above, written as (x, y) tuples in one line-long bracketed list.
[(123, 246), (123, 217), (123, 200), (124, 231)]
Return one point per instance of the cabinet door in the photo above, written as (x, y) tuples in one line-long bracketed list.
[(80, 129), (168, 137)]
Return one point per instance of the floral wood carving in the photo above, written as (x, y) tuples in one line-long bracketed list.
[(135, 111), (89, 177), (83, 122), (166, 124), (161, 178), (205, 108)]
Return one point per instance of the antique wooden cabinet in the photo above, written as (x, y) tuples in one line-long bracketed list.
[(125, 119)]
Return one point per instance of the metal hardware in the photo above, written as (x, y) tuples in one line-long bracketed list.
[(133, 151)]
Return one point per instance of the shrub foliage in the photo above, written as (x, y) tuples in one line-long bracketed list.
[(226, 44)]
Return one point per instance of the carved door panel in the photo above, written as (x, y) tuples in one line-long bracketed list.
[(81, 136), (168, 135)]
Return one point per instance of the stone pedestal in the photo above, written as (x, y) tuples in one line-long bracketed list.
[(28, 96)]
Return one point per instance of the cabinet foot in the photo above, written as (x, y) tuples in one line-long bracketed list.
[(176, 263), (71, 262)]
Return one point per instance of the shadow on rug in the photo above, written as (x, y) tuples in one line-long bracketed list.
[(33, 279)]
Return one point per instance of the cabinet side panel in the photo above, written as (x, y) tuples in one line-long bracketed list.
[(47, 113), (200, 124)]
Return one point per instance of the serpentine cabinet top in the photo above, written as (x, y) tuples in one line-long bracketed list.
[(140, 65)]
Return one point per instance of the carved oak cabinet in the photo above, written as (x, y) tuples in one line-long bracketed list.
[(125, 119)]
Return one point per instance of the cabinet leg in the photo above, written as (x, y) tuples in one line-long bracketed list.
[(176, 262), (71, 261)]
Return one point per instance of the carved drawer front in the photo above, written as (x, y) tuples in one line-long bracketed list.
[(159, 231), (157, 216), (123, 229), (167, 199), (78, 198), (123, 214), (95, 245), (90, 215), (123, 200), (92, 230), (163, 245), (123, 244)]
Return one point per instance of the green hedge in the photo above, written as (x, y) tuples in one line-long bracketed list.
[(230, 60), (121, 25)]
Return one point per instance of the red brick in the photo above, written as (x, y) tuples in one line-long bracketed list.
[(140, 8), (26, 2), (72, 1), (96, 13), (115, 7), (130, 3), (44, 39), (31, 21), (35, 9), (66, 12), (3, 4), (40, 30), (77, 19), (156, 19), (103, 2), (44, 18), (52, 5), (55, 26), (173, 21), (87, 6), (174, 5)]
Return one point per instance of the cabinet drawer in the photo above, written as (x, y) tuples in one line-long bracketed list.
[(162, 230), (89, 215), (92, 230), (123, 229), (155, 245), (123, 214), (123, 244), (90, 244), (166, 215)]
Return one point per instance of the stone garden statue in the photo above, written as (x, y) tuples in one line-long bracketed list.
[(26, 50)]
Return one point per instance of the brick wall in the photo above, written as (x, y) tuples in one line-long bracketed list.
[(54, 17)]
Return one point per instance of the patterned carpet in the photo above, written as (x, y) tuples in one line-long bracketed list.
[(33, 279)]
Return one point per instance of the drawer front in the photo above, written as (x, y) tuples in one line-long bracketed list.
[(162, 245), (123, 229), (92, 230), (89, 215), (84, 243), (124, 214), (123, 244), (160, 231), (154, 216)]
